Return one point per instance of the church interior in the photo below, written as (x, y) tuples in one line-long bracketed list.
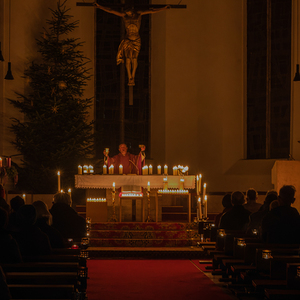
[(215, 92)]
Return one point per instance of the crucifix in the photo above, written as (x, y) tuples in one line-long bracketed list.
[(130, 45)]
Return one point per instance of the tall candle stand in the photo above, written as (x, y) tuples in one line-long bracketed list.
[(113, 217), (149, 219)]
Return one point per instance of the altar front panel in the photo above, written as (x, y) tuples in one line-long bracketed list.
[(156, 181)]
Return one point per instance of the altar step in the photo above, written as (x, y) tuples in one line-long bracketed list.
[(144, 234)]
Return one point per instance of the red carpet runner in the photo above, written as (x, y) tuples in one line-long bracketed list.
[(149, 280)]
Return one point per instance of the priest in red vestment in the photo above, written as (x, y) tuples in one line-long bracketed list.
[(132, 164)]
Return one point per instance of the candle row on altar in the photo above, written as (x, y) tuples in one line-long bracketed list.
[(146, 170), (96, 199), (85, 169), (8, 162), (173, 191)]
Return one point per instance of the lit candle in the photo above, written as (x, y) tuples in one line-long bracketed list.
[(165, 170), (120, 169), (175, 171), (165, 183), (197, 185), (58, 180), (85, 169), (114, 186), (158, 170), (148, 187), (0, 162), (79, 170), (181, 183), (70, 192), (104, 169), (111, 169), (200, 208), (200, 179), (146, 170), (150, 170), (24, 197), (204, 190), (205, 199)]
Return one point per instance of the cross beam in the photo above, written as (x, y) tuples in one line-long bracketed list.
[(135, 5)]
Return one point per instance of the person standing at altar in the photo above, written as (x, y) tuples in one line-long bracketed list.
[(132, 164)]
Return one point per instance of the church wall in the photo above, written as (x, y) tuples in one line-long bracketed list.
[(203, 84)]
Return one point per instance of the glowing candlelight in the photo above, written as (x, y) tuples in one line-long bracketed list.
[(120, 169), (111, 169), (205, 199), (114, 186), (148, 187), (24, 197), (150, 170), (200, 208), (165, 183), (104, 169), (70, 192), (204, 190), (91, 169), (158, 170), (58, 180), (79, 170), (85, 169), (199, 187), (165, 170), (0, 162), (181, 184), (175, 171)]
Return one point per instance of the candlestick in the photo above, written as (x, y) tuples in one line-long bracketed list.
[(200, 179), (200, 208), (204, 190), (175, 171), (158, 170), (120, 169), (205, 199), (79, 170), (85, 169), (150, 170), (114, 186), (197, 185), (111, 169), (58, 180), (165, 183), (148, 187), (181, 185), (104, 169), (165, 170)]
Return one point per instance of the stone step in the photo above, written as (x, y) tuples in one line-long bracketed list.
[(142, 242), (144, 234), (166, 226)]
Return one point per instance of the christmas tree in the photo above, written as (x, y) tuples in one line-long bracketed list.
[(55, 135)]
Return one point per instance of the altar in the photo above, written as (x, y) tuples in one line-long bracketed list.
[(100, 201)]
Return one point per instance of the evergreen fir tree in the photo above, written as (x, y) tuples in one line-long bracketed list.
[(55, 134)]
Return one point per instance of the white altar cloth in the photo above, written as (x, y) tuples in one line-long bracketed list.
[(156, 181)]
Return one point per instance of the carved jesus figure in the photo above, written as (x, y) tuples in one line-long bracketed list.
[(130, 46)]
